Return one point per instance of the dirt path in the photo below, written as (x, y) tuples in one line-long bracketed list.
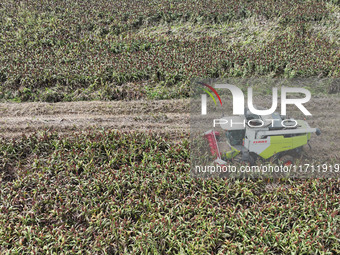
[(170, 116), (163, 116)]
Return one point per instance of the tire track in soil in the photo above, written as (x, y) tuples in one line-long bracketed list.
[(165, 116)]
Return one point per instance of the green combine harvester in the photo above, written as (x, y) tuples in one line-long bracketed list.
[(250, 137)]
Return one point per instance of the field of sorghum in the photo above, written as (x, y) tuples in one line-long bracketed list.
[(72, 50), (116, 192), (112, 193)]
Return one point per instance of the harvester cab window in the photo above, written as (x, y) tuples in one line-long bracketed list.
[(273, 121), (250, 116), (235, 137)]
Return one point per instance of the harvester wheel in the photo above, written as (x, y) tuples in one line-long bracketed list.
[(287, 160)]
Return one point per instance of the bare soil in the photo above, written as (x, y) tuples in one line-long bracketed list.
[(164, 116), (169, 116)]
